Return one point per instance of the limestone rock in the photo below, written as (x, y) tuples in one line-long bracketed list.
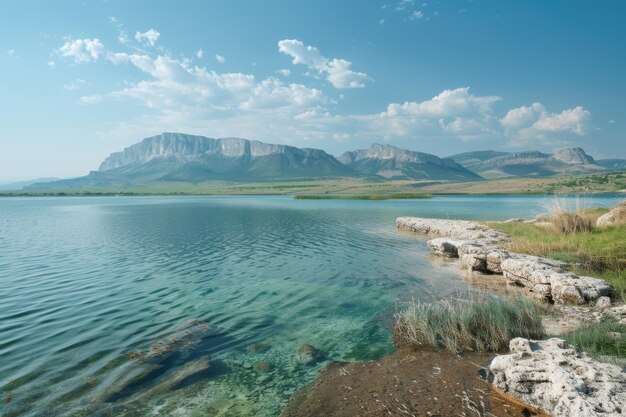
[(553, 377), (616, 216), (454, 229), (445, 246), (603, 302), (494, 260)]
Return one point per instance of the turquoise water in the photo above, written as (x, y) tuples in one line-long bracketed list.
[(85, 281)]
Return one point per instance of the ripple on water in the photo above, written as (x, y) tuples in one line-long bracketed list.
[(85, 281)]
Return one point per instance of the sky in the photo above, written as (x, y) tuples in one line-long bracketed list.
[(82, 79)]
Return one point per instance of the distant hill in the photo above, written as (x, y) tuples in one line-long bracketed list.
[(490, 164), (394, 163), (612, 164), (177, 157), (170, 161), (11, 186)]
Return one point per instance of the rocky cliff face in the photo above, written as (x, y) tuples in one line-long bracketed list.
[(187, 148), (391, 162), (573, 156)]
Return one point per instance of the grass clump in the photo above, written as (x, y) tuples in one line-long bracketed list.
[(483, 323), (599, 252), (393, 196), (600, 340)]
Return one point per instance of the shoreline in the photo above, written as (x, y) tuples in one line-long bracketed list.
[(478, 249)]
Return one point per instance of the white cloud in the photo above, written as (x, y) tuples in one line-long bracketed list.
[(122, 37), (11, 52), (176, 83), (90, 99), (82, 50), (148, 37), (220, 58), (199, 53), (404, 4), (336, 71), (182, 95), (416, 15), (456, 113), (528, 123), (74, 85), (52, 64)]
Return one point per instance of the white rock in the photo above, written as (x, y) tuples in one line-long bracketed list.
[(553, 377), (616, 216), (445, 246), (603, 302)]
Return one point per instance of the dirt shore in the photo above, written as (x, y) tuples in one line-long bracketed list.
[(406, 383)]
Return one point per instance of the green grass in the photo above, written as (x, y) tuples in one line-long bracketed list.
[(597, 342), (600, 252), (394, 196), (482, 323)]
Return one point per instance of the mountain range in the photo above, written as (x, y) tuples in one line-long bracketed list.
[(490, 164), (174, 158)]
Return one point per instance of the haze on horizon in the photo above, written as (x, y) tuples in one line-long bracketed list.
[(82, 79)]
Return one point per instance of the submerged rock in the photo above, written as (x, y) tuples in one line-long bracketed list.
[(555, 378), (308, 354), (257, 347), (262, 367)]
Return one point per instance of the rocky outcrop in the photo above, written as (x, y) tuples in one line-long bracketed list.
[(614, 217), (555, 378), (478, 249), (454, 229), (573, 156)]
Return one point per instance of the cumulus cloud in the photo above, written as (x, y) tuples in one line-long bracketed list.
[(220, 58), (52, 64), (336, 71), (176, 83), (199, 53), (82, 50), (454, 112), (182, 95), (527, 123), (148, 37)]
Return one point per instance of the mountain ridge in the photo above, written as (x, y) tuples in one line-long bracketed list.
[(390, 162), (491, 164)]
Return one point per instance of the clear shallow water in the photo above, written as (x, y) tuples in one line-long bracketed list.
[(84, 281)]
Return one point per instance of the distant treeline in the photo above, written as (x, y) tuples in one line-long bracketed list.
[(395, 196)]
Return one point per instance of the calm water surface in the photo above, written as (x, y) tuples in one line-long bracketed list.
[(241, 281)]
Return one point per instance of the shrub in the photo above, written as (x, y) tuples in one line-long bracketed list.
[(481, 323)]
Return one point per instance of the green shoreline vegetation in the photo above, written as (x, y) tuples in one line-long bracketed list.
[(483, 323), (613, 182), (374, 197), (487, 322), (574, 238)]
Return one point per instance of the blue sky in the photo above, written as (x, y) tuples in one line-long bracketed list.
[(81, 79)]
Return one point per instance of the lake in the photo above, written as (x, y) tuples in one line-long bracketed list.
[(214, 296)]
